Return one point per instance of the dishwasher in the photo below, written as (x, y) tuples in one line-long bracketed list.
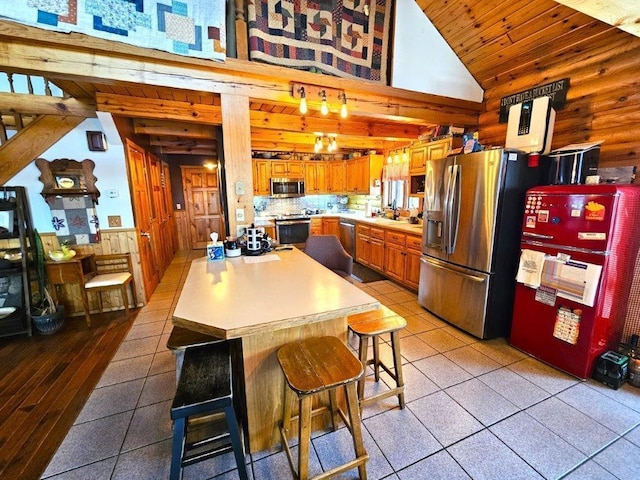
[(348, 236)]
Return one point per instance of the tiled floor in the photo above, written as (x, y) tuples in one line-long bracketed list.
[(475, 409)]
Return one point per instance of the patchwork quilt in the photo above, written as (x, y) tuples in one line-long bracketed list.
[(346, 38), (188, 27)]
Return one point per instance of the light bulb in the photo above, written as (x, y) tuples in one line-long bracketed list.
[(303, 100), (324, 108), (343, 107)]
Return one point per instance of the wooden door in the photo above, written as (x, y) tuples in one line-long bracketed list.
[(202, 196), (143, 212)]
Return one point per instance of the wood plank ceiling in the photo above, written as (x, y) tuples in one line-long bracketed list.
[(495, 40)]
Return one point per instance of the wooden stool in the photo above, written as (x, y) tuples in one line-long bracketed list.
[(205, 388), (181, 338), (312, 366), (372, 324)]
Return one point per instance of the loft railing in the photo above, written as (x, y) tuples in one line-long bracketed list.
[(12, 122)]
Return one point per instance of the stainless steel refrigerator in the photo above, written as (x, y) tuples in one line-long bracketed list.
[(472, 216)]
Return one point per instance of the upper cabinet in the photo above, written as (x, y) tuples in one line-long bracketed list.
[(65, 177), (420, 154), (291, 169), (364, 174), (261, 177)]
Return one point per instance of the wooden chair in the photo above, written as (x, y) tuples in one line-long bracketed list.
[(310, 367), (204, 420), (373, 324), (113, 271), (327, 250)]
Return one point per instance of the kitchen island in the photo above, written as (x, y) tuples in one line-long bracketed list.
[(266, 301)]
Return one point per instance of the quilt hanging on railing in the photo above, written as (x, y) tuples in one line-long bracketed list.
[(346, 38), (193, 28)]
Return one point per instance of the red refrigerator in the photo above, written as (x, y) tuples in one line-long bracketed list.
[(578, 249)]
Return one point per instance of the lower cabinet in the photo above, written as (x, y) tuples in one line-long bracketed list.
[(316, 226), (370, 246), (394, 253), (402, 258)]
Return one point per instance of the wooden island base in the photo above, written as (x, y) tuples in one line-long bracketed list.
[(265, 384), (264, 303)]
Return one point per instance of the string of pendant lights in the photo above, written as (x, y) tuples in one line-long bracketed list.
[(323, 94)]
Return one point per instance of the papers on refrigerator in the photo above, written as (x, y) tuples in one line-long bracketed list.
[(571, 279), (577, 281), (530, 268)]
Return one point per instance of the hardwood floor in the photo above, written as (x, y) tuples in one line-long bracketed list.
[(44, 383)]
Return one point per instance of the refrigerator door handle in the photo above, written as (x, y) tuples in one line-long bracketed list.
[(453, 211), (446, 210), (475, 278), (536, 235)]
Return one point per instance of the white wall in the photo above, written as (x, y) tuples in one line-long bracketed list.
[(110, 171), (423, 62)]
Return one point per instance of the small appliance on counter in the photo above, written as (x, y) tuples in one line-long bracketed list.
[(257, 241), (232, 247), (574, 163)]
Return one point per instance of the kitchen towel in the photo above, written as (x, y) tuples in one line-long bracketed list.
[(74, 220), (342, 38)]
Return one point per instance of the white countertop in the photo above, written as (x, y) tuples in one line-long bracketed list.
[(234, 298), (401, 225)]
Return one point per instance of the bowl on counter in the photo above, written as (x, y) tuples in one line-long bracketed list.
[(61, 255)]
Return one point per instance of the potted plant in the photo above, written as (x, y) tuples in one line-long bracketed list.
[(47, 316)]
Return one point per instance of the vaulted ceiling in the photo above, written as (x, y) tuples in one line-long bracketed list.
[(495, 40)]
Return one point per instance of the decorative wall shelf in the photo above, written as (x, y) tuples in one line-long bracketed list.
[(65, 177)]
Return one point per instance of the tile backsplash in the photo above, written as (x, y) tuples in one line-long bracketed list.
[(324, 203)]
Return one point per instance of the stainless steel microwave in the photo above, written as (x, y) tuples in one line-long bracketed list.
[(287, 187)]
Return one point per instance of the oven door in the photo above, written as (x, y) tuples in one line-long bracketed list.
[(293, 232)]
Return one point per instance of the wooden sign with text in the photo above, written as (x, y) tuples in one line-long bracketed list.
[(557, 90)]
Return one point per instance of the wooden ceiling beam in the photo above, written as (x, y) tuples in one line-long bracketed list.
[(138, 107), (278, 139), (210, 152), (182, 113), (171, 141), (98, 61), (24, 103), (146, 126)]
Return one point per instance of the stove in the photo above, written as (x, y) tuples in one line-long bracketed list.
[(292, 229)]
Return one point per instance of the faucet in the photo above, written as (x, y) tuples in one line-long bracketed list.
[(396, 214)]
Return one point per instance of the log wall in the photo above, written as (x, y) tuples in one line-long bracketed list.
[(603, 99)]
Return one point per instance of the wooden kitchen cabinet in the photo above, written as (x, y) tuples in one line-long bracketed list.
[(420, 154), (262, 177), (412, 267), (287, 169), (316, 226), (363, 174), (336, 177), (315, 177), (394, 261), (331, 226)]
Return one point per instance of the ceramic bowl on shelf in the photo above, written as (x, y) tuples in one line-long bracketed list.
[(61, 256)]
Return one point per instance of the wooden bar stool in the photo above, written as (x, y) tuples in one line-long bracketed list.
[(310, 367), (205, 388), (372, 324)]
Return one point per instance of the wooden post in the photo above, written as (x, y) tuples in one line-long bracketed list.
[(242, 41), (236, 135)]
